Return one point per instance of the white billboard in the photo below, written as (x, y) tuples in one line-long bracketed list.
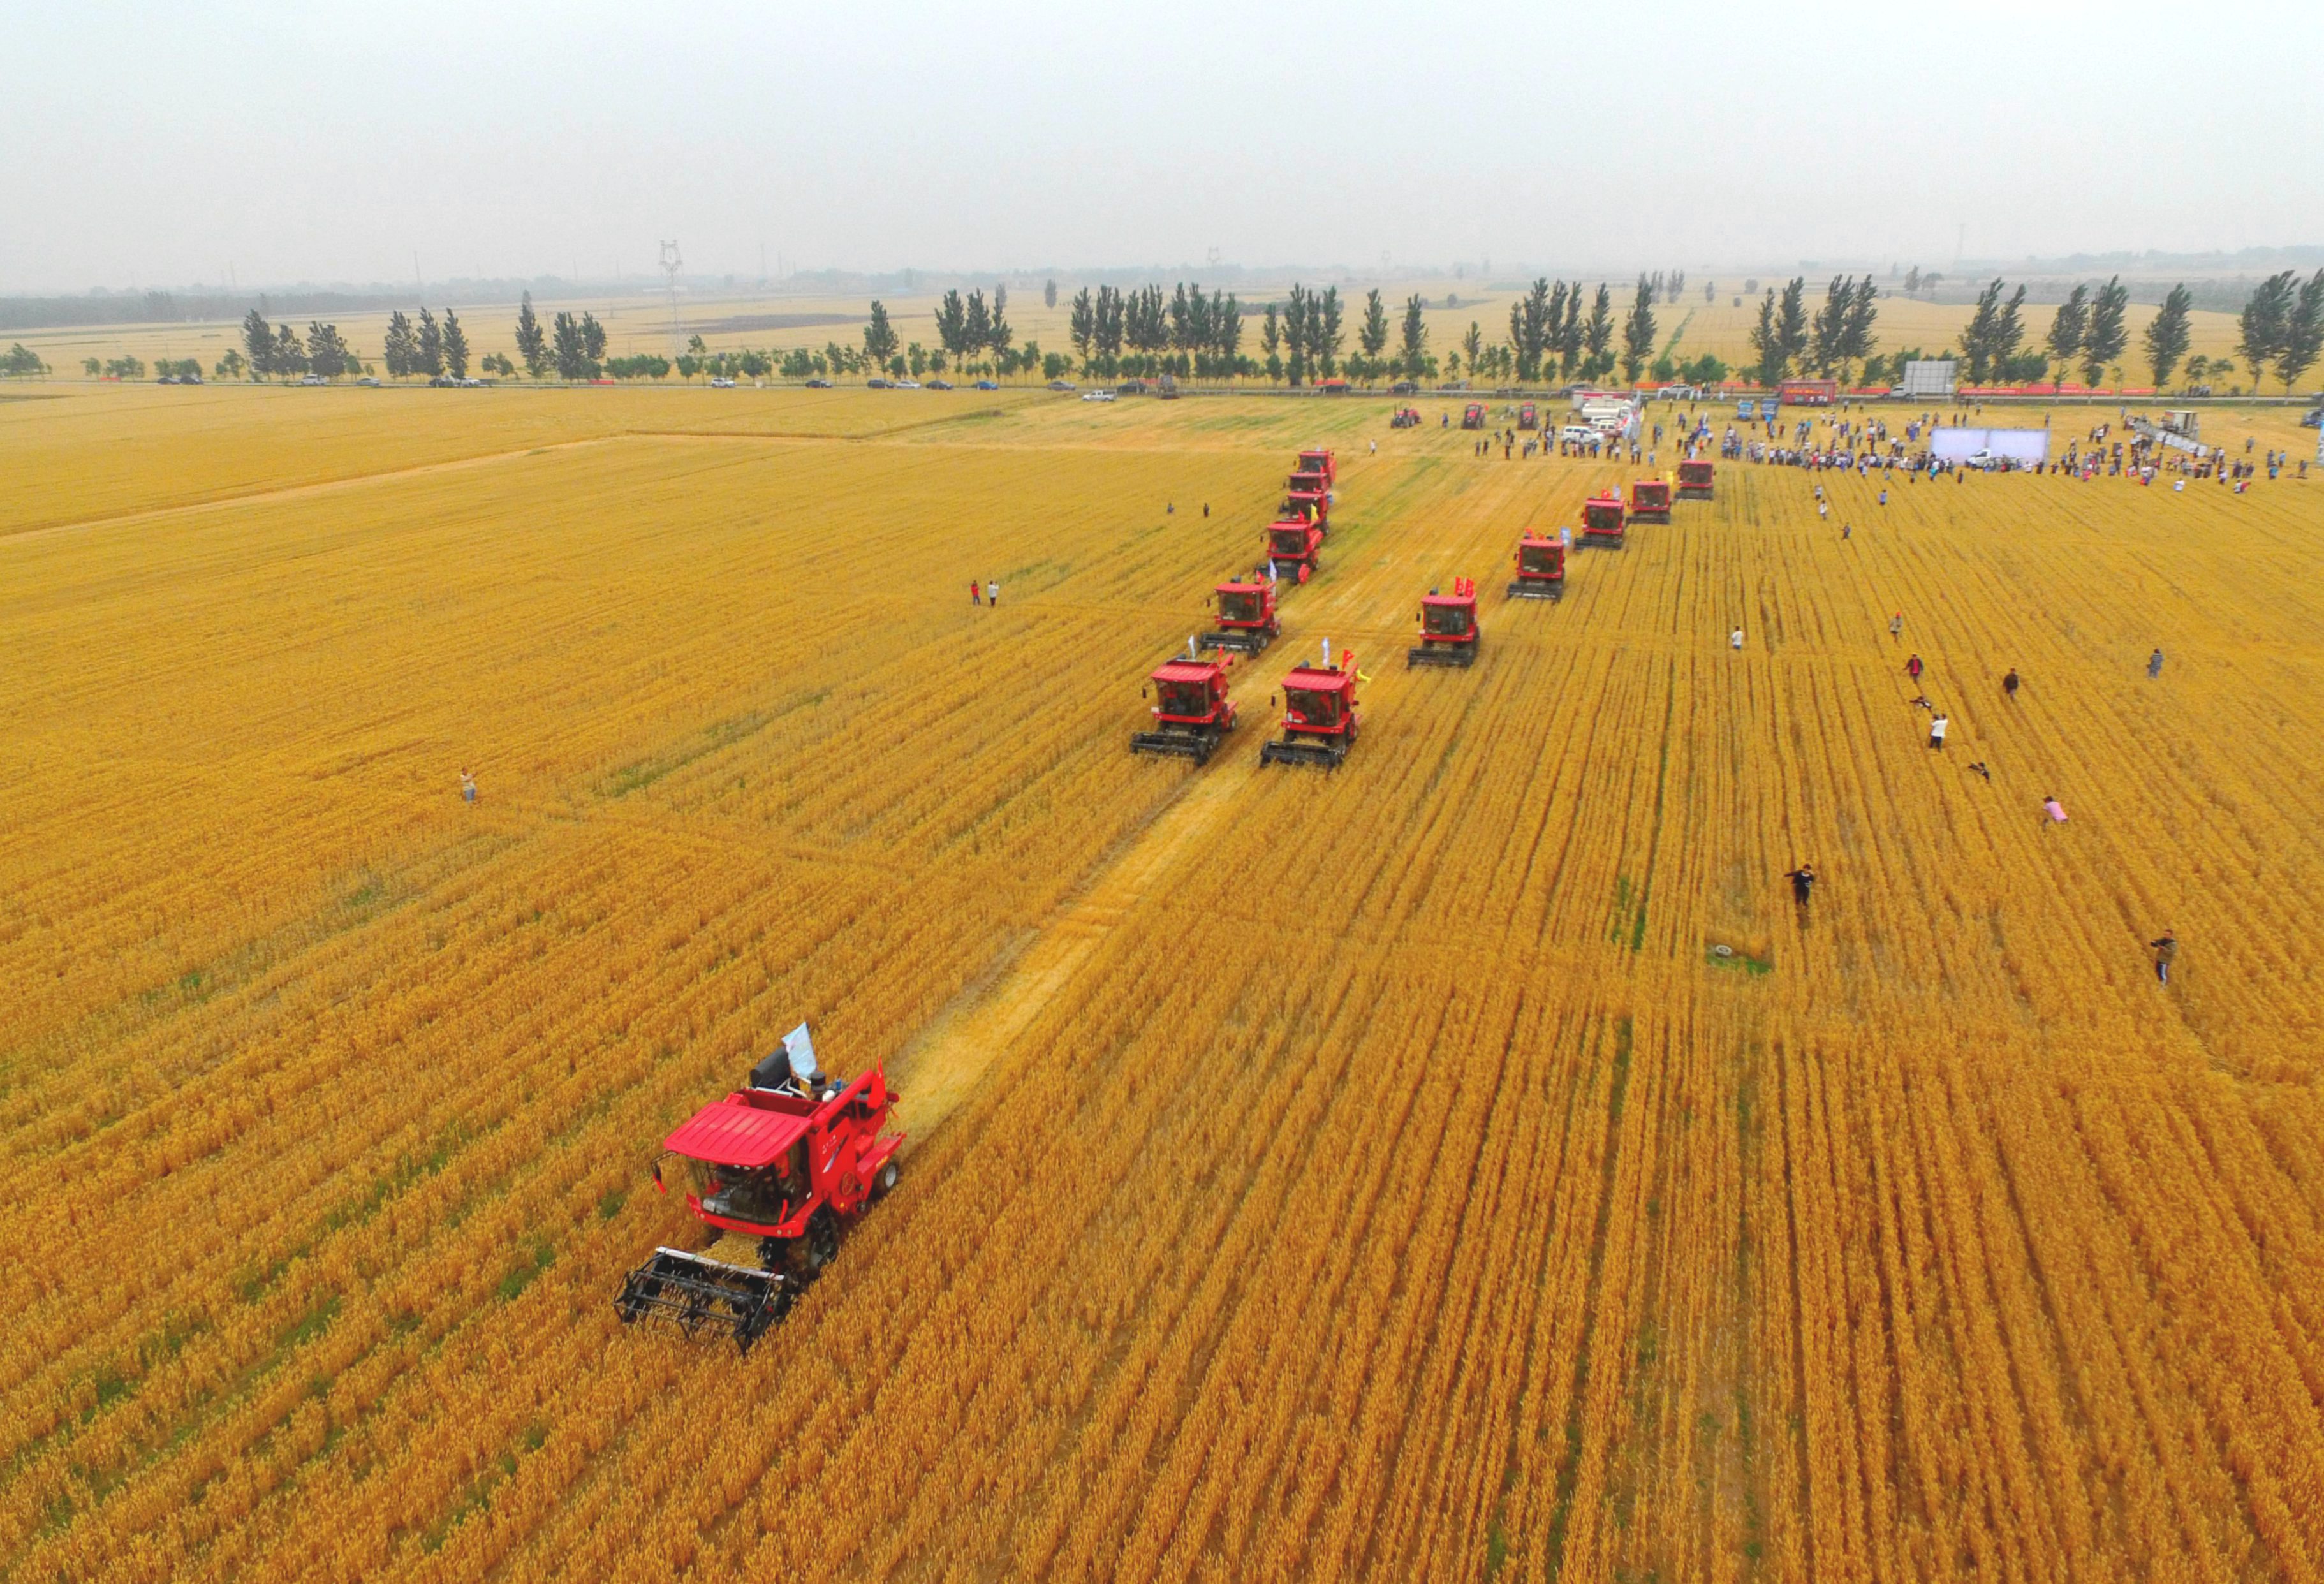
[(2024, 447), (1930, 377)]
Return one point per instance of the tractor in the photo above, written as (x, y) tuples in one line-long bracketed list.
[(1601, 520), (1650, 501), (1296, 549), (1528, 417), (1541, 569), (1694, 480), (1472, 417), (1320, 459), (1449, 635), (1192, 711), (1406, 418), (1247, 622), (1319, 714), (790, 1159)]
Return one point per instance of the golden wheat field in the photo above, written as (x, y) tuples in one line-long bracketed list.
[(1374, 1174)]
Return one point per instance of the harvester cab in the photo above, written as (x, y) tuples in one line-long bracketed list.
[(1449, 635), (1472, 417), (1323, 460), (791, 1160), (1192, 711), (1650, 501), (1694, 480), (1541, 569), (1247, 622), (1601, 520), (1294, 547), (1308, 496), (1528, 417), (1319, 714)]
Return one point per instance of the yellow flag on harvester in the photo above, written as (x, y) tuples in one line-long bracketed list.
[(1363, 676)]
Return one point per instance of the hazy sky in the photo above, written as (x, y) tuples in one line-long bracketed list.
[(165, 144)]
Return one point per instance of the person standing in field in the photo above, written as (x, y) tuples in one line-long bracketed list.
[(1912, 667), (2009, 683), (2054, 811), (992, 592), (1802, 880), (975, 592), (1937, 732), (468, 786), (2154, 665), (1896, 626), (1735, 639), (2164, 950)]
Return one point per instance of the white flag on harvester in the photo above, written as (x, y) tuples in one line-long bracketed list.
[(800, 1047)]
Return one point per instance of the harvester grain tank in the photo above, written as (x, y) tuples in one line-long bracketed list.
[(1541, 569), (1449, 634), (1247, 622), (1472, 417), (791, 1159), (1650, 501), (1319, 714), (1694, 478), (1602, 520), (1308, 496), (1320, 459), (1192, 711), (1294, 548)]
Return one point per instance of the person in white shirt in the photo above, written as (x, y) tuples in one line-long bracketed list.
[(1937, 732), (1735, 639)]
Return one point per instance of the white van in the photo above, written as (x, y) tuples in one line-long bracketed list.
[(1577, 434)]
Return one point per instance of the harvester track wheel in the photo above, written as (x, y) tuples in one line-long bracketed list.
[(822, 1243), (885, 1184), (770, 1254)]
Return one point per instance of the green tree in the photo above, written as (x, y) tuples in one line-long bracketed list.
[(567, 349), (258, 340), (401, 349), (1412, 356), (531, 341), (1598, 335), (289, 352), (878, 336), (431, 358), (952, 325), (1994, 330), (1829, 332), (2303, 333), (1531, 320), (998, 333), (1049, 299), (1270, 342), (232, 366), (92, 367), (1638, 332), (21, 360), (2167, 336), (2261, 330), (1767, 341), (1080, 326), (1297, 308), (1792, 319), (976, 326), (1863, 314), (1372, 337), (2108, 334), (455, 346), (593, 342), (2069, 327), (1472, 347), (1569, 333), (1326, 332), (325, 351)]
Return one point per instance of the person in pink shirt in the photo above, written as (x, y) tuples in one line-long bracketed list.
[(2054, 810)]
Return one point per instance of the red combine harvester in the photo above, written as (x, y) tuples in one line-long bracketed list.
[(1650, 501), (1247, 621), (1296, 549), (790, 1160), (1449, 635), (1307, 496), (1541, 569), (1528, 417), (1601, 521), (1473, 416), (1694, 480), (1320, 459), (1319, 714), (1192, 711)]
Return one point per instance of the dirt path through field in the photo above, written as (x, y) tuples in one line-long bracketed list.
[(948, 1058)]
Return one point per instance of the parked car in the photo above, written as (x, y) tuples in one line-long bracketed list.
[(939, 385), (876, 383), (1130, 388), (1577, 434), (988, 384), (907, 385), (818, 383), (370, 380), (721, 384), (1405, 387), (1060, 384), (318, 380), (1097, 395)]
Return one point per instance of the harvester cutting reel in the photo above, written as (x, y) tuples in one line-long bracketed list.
[(693, 1292)]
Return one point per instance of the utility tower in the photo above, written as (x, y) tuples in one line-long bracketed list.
[(670, 264)]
